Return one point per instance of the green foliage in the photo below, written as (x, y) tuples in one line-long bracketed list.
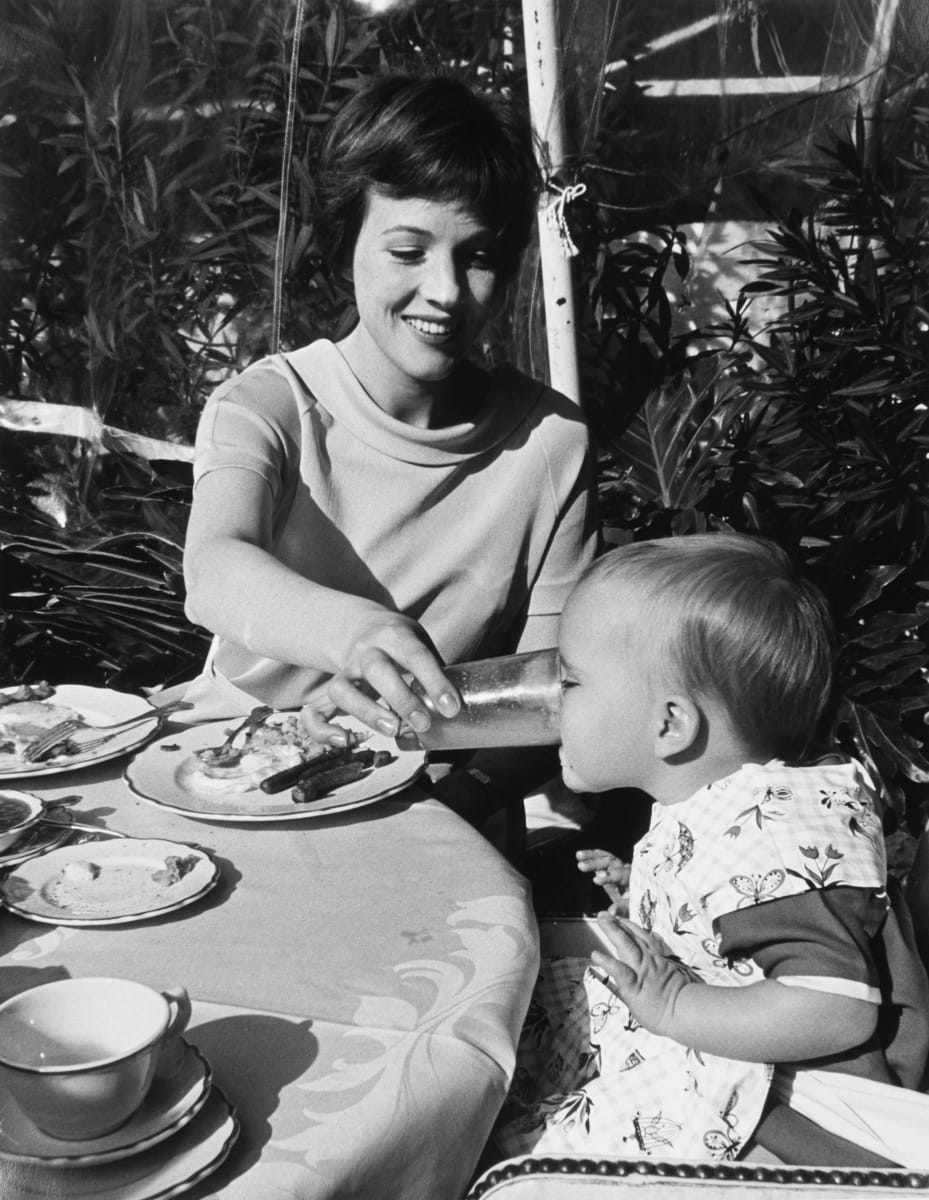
[(141, 249), (814, 431)]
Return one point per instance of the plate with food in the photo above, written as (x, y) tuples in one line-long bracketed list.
[(29, 710), (108, 883), (269, 769)]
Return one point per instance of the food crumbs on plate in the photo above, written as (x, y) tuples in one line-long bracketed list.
[(175, 868), (81, 872)]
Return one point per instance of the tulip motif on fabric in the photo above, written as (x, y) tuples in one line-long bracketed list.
[(764, 810)]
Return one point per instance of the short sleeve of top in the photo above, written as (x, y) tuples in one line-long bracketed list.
[(776, 870), (250, 423), (822, 939)]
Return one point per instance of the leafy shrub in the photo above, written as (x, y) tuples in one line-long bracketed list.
[(812, 430)]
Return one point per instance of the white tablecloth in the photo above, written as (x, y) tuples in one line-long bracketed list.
[(359, 985)]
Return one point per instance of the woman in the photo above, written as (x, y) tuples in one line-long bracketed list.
[(375, 507)]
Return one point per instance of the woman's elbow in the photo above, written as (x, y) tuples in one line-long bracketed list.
[(199, 584)]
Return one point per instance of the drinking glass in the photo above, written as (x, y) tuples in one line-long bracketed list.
[(513, 700)]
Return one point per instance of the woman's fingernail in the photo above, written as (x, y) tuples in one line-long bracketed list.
[(338, 739), (448, 705), (387, 725), (419, 720)]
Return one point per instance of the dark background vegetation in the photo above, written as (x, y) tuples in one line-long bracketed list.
[(140, 195)]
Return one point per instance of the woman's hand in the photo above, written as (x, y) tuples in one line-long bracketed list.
[(371, 685), (645, 979)]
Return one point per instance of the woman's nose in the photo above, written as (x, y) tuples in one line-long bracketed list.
[(443, 282)]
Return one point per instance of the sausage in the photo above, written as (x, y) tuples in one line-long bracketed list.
[(318, 783), (290, 775)]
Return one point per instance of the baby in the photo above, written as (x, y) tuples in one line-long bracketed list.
[(762, 985)]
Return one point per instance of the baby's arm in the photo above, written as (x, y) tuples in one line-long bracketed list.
[(609, 872), (760, 1022)]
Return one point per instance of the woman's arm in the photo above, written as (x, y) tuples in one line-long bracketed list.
[(760, 1022), (237, 589)]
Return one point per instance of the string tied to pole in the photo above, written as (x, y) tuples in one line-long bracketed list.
[(556, 219)]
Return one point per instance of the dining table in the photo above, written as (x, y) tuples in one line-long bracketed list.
[(358, 981)]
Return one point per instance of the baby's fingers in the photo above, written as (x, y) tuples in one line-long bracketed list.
[(617, 976), (621, 937), (595, 860)]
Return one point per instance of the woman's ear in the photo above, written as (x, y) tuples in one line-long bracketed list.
[(678, 726)]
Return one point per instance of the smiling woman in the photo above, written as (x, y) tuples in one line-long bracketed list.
[(368, 510)]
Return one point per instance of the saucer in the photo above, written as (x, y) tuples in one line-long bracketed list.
[(165, 1170), (178, 1092)]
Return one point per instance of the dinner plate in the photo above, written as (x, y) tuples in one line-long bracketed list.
[(178, 1092), (158, 774), (108, 883), (167, 1169), (98, 706)]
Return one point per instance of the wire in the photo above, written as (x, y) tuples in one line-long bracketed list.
[(280, 243)]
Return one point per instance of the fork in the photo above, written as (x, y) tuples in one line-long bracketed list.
[(41, 746)]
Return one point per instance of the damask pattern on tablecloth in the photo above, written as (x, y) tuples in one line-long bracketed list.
[(397, 1044)]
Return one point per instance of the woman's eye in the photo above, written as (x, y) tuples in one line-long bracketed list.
[(413, 255), (482, 261), (567, 683)]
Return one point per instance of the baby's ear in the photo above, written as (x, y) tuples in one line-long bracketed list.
[(677, 727)]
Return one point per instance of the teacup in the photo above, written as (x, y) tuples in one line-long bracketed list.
[(19, 811), (79, 1055)]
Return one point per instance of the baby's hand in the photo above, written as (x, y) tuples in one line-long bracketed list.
[(641, 974), (610, 872)]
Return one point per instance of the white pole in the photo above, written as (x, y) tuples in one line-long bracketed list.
[(543, 53)]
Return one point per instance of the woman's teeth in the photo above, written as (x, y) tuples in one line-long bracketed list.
[(433, 328)]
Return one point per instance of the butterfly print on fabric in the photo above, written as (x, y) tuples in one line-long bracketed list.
[(756, 888)]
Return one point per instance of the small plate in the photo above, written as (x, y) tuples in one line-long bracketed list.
[(165, 1170), (178, 1092), (98, 706), (161, 772), (108, 883)]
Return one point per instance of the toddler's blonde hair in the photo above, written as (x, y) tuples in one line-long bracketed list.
[(733, 619)]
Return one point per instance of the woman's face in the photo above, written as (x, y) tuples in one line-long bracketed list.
[(425, 278)]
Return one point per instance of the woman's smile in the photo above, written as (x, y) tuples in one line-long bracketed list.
[(425, 277)]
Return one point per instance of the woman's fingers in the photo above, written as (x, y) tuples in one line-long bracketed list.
[(390, 651), (385, 677), (315, 719), (355, 699)]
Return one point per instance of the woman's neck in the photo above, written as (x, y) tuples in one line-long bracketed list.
[(423, 404)]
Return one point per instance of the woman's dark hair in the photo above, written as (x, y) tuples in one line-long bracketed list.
[(432, 138)]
